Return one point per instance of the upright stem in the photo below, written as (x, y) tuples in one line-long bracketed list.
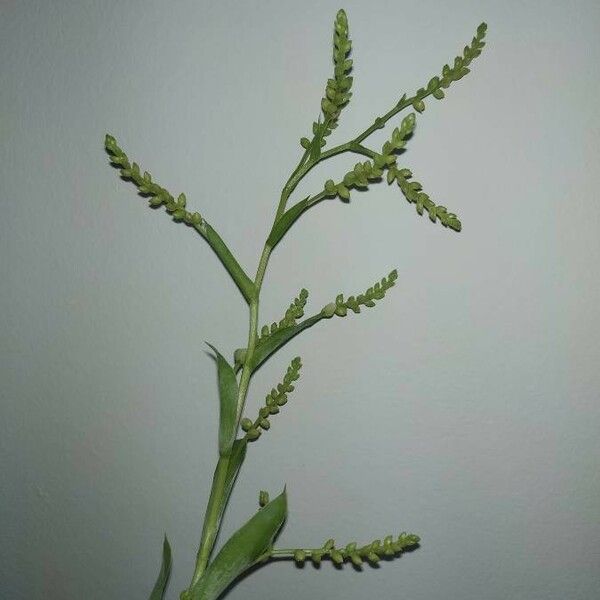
[(210, 528), (217, 499)]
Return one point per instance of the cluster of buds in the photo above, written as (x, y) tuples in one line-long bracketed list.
[(372, 552), (450, 74), (337, 91), (396, 142), (359, 177), (340, 307), (294, 312), (276, 398), (412, 191), (146, 187), (372, 170)]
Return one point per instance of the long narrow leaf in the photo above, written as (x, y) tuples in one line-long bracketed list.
[(228, 396), (244, 549), (244, 283), (286, 220), (272, 343), (160, 586), (236, 459)]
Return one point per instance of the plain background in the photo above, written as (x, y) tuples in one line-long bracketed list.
[(463, 408)]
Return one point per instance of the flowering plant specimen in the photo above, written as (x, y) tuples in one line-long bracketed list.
[(253, 542)]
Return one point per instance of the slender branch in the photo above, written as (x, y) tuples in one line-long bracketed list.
[(372, 552), (360, 149), (291, 184)]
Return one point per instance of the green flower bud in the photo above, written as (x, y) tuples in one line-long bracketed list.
[(356, 559), (330, 186), (419, 106), (329, 544), (239, 356), (263, 498), (434, 82), (341, 311), (328, 311), (299, 555), (253, 434), (343, 191), (408, 124)]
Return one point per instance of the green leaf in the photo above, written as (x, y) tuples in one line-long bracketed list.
[(158, 592), (232, 465), (228, 396), (244, 549), (281, 226), (238, 274), (273, 342), (236, 459)]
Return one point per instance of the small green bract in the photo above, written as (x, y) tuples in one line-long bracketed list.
[(253, 542)]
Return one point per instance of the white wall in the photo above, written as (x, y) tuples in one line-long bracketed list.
[(464, 408)]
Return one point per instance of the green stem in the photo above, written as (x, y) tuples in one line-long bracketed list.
[(218, 497), (211, 519), (289, 552), (291, 184), (262, 267)]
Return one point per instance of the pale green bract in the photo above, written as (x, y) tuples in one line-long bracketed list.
[(252, 543)]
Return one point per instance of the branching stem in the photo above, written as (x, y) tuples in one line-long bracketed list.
[(354, 145), (217, 496)]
